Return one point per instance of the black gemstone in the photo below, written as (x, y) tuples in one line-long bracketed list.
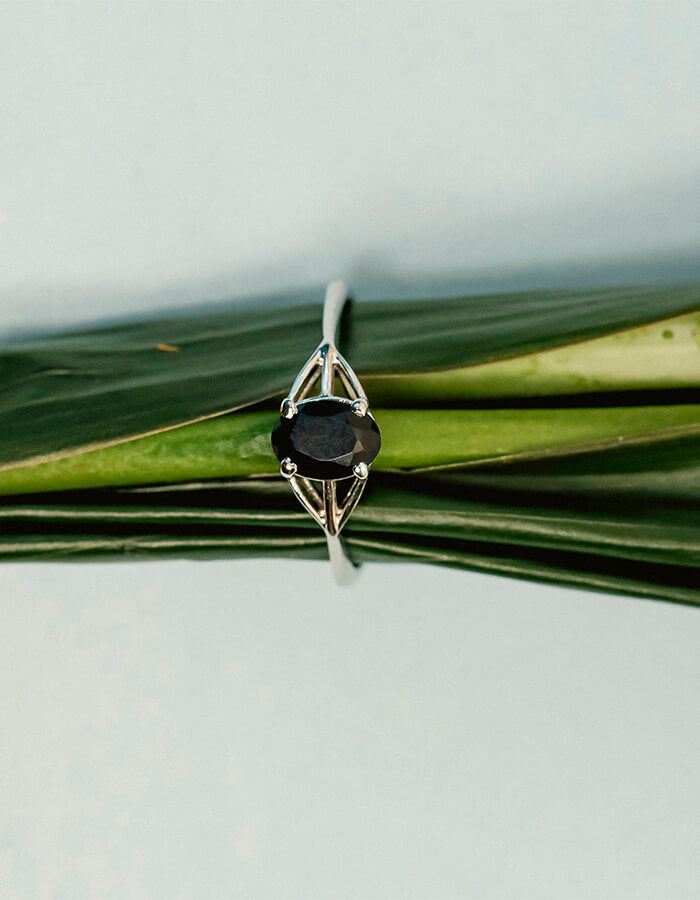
[(325, 439)]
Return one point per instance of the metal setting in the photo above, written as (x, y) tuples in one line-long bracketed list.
[(320, 497)]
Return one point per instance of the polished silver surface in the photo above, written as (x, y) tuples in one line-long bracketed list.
[(344, 570), (288, 468), (320, 497)]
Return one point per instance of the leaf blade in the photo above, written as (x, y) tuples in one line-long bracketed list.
[(239, 445), (95, 387)]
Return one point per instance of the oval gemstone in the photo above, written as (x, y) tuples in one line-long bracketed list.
[(325, 439)]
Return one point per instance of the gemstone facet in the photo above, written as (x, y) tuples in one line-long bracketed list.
[(326, 438)]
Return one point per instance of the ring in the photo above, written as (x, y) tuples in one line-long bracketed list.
[(327, 438)]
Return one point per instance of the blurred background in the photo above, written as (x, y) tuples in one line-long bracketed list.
[(239, 730)]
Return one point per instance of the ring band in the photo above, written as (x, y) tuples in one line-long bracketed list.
[(327, 438)]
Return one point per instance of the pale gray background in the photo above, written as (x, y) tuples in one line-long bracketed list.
[(246, 730)]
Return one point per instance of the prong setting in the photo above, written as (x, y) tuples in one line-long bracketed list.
[(361, 471), (323, 440), (288, 468), (288, 408), (326, 438)]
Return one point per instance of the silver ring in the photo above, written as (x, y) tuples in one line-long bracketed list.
[(327, 438)]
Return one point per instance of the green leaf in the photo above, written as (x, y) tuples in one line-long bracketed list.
[(239, 444), (64, 393), (598, 490), (658, 356), (603, 543)]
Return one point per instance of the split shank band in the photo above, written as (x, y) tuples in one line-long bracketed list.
[(325, 443)]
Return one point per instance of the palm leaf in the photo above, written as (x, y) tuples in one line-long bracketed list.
[(567, 449), (67, 392)]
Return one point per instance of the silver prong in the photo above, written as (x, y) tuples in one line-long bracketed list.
[(360, 406), (309, 497), (288, 408), (361, 470), (328, 370), (348, 377), (330, 507), (306, 377), (288, 469), (352, 497)]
